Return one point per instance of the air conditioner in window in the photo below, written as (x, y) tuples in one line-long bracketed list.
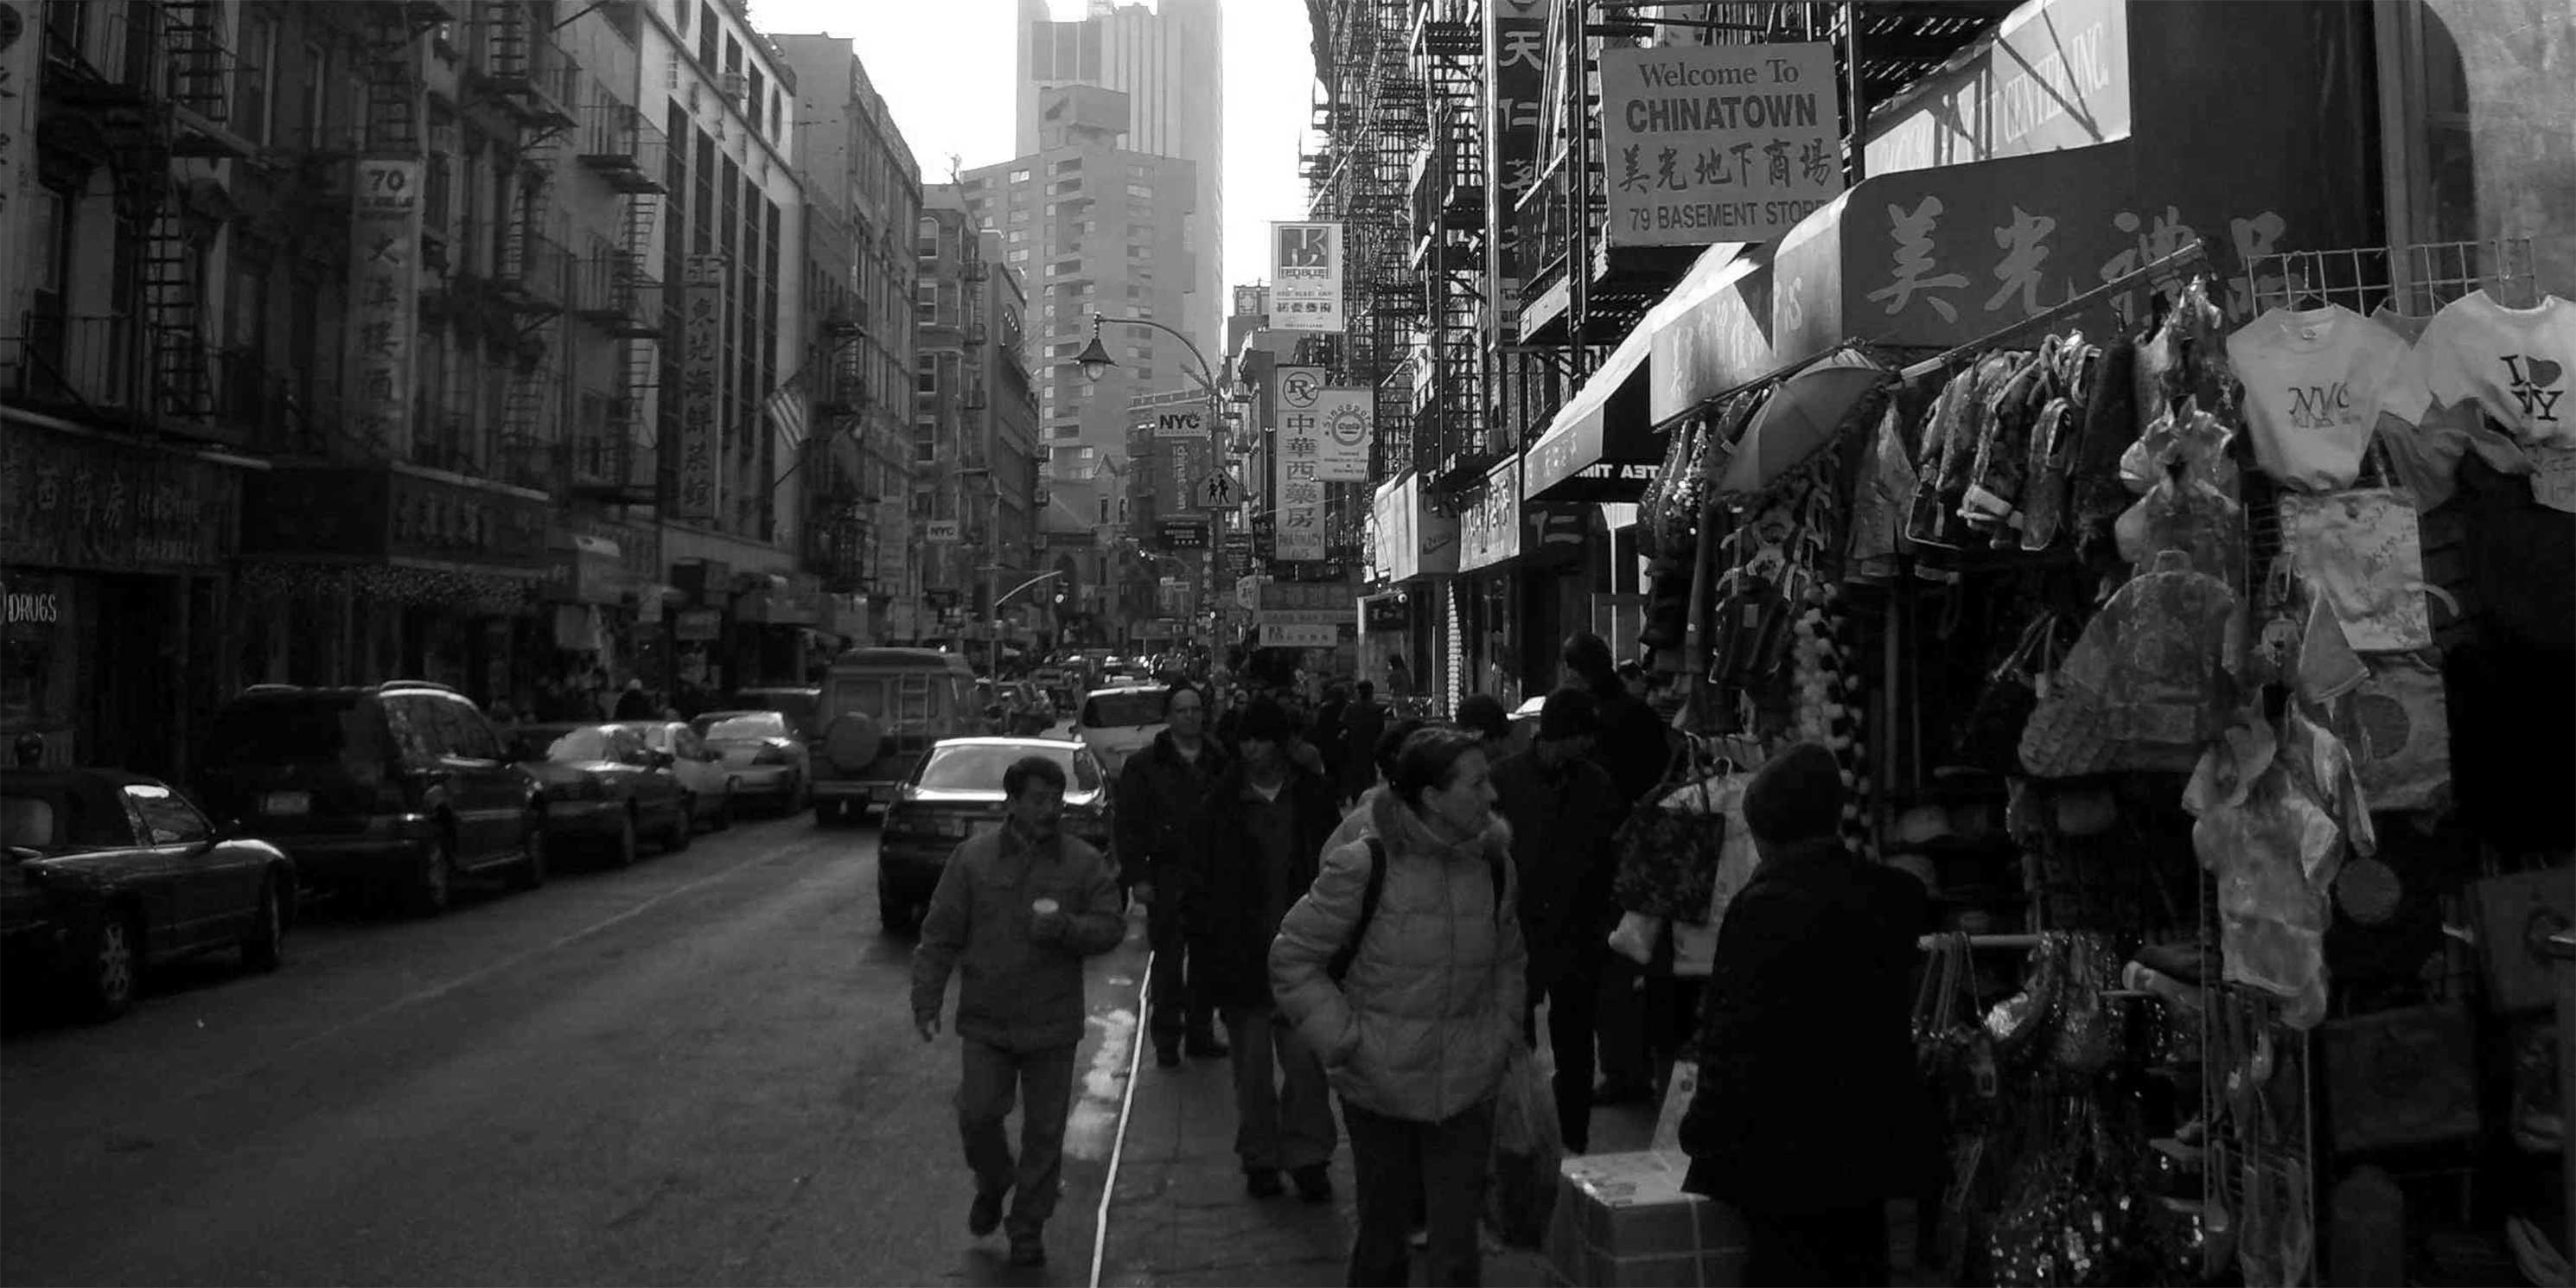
[(733, 85)]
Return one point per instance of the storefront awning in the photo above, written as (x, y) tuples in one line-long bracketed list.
[(1601, 446)]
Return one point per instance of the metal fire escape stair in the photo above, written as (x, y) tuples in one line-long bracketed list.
[(173, 306)]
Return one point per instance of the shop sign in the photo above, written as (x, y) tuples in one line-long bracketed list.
[(1411, 540), (1234, 558), (384, 297), (20, 606), (1384, 613), (1602, 446), (942, 532), (1718, 143), (1489, 529), (585, 570), (1332, 598), (86, 503), (701, 389), (1299, 448), (1181, 534), (1306, 277), (21, 45), (1299, 636), (1342, 419), (793, 604), (1556, 532), (697, 625), (1516, 50), (2054, 75), (1183, 423)]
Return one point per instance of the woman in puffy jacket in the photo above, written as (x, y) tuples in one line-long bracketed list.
[(1417, 1033)]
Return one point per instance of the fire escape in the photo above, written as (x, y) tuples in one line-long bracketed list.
[(525, 77), (620, 294), (1373, 118), (1447, 226)]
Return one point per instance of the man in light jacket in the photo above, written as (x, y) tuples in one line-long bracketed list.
[(1419, 1031), (1018, 907)]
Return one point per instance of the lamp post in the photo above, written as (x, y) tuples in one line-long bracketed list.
[(1096, 362)]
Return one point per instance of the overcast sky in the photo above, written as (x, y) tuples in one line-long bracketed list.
[(945, 66)]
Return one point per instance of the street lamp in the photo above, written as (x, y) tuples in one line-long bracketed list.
[(1096, 362)]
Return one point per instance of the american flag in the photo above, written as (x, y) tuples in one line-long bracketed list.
[(786, 408)]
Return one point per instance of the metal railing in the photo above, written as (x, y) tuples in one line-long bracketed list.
[(93, 363), (613, 288), (536, 264), (616, 137)]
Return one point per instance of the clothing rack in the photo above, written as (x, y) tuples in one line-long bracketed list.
[(2413, 280), (2194, 254), (1930, 943)]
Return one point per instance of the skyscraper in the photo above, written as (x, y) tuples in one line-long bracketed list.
[(1168, 59)]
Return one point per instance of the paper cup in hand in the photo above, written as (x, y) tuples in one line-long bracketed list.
[(1043, 907)]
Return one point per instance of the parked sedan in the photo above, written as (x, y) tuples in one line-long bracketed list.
[(601, 784), (957, 789), (709, 785), (763, 753), (108, 872)]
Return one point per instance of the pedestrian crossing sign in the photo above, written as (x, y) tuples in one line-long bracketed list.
[(1218, 490)]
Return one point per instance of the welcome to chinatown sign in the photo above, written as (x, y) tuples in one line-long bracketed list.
[(1719, 143)]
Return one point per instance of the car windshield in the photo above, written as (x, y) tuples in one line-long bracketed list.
[(744, 728), (314, 728), (978, 767), (1126, 709)]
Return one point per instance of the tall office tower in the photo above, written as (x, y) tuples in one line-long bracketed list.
[(1094, 227), (1168, 60)]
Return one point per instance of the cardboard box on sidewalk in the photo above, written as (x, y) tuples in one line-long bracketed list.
[(1622, 1221)]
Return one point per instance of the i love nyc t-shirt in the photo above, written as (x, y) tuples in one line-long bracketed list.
[(2516, 363), (2313, 385)]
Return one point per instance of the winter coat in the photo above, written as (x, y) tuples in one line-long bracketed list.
[(1161, 804), (1359, 823), (1634, 745), (1430, 1012), (1236, 906), (1808, 1097), (1363, 723), (1562, 820), (1018, 993)]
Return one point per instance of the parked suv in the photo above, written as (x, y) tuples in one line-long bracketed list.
[(882, 709), (388, 789)]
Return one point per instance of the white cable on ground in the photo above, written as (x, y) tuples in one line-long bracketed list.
[(1118, 1143)]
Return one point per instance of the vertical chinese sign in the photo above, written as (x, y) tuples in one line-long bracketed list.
[(1299, 489), (1516, 48), (701, 362), (20, 44), (1306, 277), (1718, 143), (384, 296)]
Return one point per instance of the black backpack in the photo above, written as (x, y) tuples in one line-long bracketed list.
[(1349, 952)]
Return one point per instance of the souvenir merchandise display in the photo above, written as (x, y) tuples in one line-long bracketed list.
[(2196, 675)]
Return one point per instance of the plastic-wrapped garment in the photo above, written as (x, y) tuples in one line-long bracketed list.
[(2110, 425), (2186, 513), (2362, 553), (1999, 473), (2275, 816), (2148, 684), (1886, 487)]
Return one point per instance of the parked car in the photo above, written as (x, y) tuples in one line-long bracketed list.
[(957, 788), (802, 708), (1116, 723), (108, 872), (708, 786), (882, 710), (600, 784), (761, 751), (391, 789)]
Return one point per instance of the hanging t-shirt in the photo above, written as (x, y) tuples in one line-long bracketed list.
[(2514, 362), (2313, 385)]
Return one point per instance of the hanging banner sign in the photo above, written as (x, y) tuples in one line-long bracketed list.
[(1180, 424), (1299, 488), (384, 293), (1516, 48), (1346, 415), (21, 64), (1718, 143), (701, 388), (1306, 275)]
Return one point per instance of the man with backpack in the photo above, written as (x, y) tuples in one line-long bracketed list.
[(1265, 825)]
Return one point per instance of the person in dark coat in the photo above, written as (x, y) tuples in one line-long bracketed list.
[(634, 703), (1263, 840), (1562, 809), (1162, 799), (1643, 1017), (1363, 723), (1809, 1115)]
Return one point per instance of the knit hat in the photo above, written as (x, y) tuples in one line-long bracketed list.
[(1569, 713), (1797, 796), (1482, 714)]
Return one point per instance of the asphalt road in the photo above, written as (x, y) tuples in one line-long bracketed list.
[(700, 1070)]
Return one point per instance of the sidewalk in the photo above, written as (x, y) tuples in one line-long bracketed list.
[(1179, 1214)]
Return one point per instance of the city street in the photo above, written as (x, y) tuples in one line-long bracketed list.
[(699, 1070)]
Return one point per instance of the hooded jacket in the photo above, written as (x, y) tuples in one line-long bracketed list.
[(1162, 806), (1425, 1022), (1239, 900), (1019, 993)]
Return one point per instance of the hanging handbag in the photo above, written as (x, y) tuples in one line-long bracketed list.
[(1991, 738), (2397, 725), (1668, 855), (2092, 1031), (2516, 916)]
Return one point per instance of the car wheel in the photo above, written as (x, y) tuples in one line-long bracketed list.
[(112, 969), (265, 949), (531, 871), (621, 847), (433, 883), (684, 829)]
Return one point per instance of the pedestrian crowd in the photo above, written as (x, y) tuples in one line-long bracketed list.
[(1384, 912)]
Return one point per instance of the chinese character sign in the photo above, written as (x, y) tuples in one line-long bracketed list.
[(1306, 277), (384, 299), (1299, 489), (1344, 415), (1516, 48), (21, 43), (700, 447), (1718, 143)]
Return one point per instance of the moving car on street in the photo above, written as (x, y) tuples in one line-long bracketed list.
[(708, 787), (956, 789), (1116, 723), (107, 872), (763, 754), (599, 784), (387, 790)]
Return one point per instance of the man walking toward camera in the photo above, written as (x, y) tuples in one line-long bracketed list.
[(1162, 802), (1020, 905)]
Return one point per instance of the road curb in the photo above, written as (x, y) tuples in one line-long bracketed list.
[(1118, 1142)]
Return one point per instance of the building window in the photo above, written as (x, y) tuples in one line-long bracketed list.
[(1140, 190), (1020, 175), (258, 56)]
